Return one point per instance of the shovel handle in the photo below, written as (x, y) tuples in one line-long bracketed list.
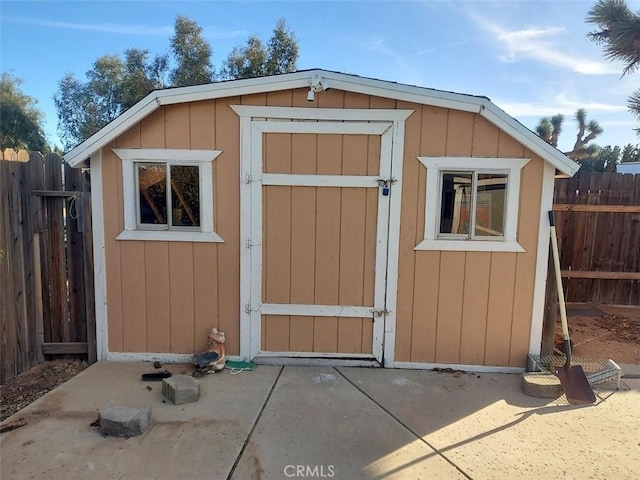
[(563, 307)]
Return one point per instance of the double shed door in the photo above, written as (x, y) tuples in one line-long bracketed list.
[(319, 233)]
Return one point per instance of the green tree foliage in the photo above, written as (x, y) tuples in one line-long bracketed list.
[(587, 132), (192, 54), (602, 159), (248, 61), (113, 85), (618, 31), (283, 50), (606, 159), (630, 153), (549, 129), (21, 125), (255, 59)]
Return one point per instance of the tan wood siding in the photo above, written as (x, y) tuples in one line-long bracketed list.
[(453, 307), (463, 307), (165, 297), (319, 242)]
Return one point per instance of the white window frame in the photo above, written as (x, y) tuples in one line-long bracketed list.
[(436, 166), (202, 158)]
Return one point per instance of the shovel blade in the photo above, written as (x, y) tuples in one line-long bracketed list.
[(575, 385)]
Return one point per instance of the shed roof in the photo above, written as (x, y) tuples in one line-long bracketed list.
[(340, 81)]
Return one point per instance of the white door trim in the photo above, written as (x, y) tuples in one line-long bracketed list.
[(299, 310), (391, 128), (319, 180)]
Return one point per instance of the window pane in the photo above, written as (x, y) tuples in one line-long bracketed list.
[(185, 196), (490, 205), (152, 193), (455, 206)]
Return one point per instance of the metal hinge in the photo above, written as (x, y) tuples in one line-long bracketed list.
[(248, 309), (381, 313), (248, 178), (250, 244)]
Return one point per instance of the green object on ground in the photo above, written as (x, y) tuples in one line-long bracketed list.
[(237, 367)]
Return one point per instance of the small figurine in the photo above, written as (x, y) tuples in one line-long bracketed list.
[(214, 359)]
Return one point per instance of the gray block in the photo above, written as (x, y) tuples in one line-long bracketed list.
[(541, 384), (121, 421), (181, 389)]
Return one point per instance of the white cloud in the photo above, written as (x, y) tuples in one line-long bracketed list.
[(121, 29), (539, 43), (439, 47), (560, 104)]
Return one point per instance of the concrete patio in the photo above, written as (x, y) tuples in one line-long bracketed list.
[(313, 422)]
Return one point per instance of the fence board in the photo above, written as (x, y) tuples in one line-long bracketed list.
[(44, 298), (599, 227)]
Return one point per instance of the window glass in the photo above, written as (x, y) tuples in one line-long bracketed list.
[(152, 188), (490, 205), (185, 196), (455, 204)]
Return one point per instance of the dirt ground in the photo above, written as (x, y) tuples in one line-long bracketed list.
[(597, 331), (605, 331), (21, 390)]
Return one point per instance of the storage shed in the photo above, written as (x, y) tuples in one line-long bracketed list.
[(321, 218)]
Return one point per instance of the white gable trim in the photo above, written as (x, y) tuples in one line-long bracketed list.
[(338, 81)]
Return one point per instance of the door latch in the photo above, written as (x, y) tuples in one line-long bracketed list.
[(385, 184)]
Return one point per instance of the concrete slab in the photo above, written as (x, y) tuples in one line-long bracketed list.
[(196, 440), (630, 370), (316, 424), (297, 422), (485, 425)]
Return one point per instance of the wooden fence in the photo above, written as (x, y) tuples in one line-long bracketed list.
[(598, 223), (46, 264)]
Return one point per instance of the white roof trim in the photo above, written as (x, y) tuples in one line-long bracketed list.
[(339, 81)]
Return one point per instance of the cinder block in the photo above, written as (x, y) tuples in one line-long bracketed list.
[(181, 389), (121, 421), (543, 385)]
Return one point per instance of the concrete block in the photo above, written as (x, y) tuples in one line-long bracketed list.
[(540, 384), (181, 389), (121, 421)]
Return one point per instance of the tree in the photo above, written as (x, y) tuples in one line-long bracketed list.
[(619, 33), (630, 153), (192, 54), (141, 75), (21, 125), (586, 133), (246, 62), (257, 60), (113, 85), (549, 129), (283, 50)]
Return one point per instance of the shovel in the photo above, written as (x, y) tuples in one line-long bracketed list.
[(572, 378)]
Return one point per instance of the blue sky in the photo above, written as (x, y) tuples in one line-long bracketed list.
[(531, 58)]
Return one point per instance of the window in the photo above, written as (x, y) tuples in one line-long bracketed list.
[(472, 203), (168, 194)]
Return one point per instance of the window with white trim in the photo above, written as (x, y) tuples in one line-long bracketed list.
[(472, 203), (168, 194)]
